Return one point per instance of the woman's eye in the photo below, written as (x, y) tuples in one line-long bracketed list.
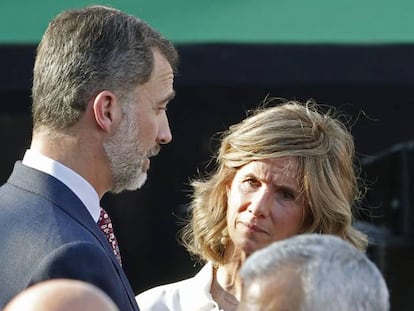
[(252, 182), (288, 195)]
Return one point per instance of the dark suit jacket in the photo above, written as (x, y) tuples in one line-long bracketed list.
[(46, 232)]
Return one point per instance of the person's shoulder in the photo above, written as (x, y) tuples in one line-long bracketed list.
[(73, 260), (178, 295), (163, 292)]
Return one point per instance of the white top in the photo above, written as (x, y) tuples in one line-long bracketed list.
[(191, 294), (83, 189)]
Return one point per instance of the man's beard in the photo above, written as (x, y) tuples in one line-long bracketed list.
[(126, 157)]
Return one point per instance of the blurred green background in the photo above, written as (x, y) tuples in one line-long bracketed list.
[(240, 21)]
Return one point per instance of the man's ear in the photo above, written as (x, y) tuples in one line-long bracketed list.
[(106, 110)]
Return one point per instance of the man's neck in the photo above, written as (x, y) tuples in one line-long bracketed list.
[(83, 157)]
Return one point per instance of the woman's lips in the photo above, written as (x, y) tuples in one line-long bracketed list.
[(253, 227)]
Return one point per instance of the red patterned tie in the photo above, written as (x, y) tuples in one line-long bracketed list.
[(105, 224)]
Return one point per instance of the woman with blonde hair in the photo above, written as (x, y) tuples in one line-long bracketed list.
[(284, 170)]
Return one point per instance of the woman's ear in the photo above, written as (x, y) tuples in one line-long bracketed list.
[(107, 111)]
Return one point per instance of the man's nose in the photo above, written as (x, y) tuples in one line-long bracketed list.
[(164, 134)]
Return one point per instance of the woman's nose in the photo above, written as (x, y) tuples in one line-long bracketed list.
[(260, 204)]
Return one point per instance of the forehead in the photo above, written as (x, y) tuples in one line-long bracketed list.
[(159, 88), (162, 68), (285, 167)]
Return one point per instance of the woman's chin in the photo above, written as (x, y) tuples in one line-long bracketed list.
[(249, 247)]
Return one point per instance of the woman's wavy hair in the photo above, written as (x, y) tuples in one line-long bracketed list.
[(328, 177)]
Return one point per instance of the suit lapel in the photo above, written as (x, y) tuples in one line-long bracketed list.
[(55, 191)]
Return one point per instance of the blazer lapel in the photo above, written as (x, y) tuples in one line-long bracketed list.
[(55, 191)]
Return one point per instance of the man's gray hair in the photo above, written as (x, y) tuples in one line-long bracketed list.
[(334, 275)]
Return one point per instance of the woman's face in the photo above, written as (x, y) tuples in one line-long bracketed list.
[(264, 203)]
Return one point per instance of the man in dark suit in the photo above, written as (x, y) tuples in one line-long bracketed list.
[(102, 80)]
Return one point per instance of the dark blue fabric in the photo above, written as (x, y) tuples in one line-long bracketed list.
[(46, 232)]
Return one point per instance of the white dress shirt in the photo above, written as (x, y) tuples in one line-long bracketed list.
[(191, 294), (83, 189)]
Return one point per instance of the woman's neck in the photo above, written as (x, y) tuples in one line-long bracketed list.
[(226, 285)]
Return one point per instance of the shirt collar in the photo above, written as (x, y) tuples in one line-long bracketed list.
[(82, 188), (197, 295)]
